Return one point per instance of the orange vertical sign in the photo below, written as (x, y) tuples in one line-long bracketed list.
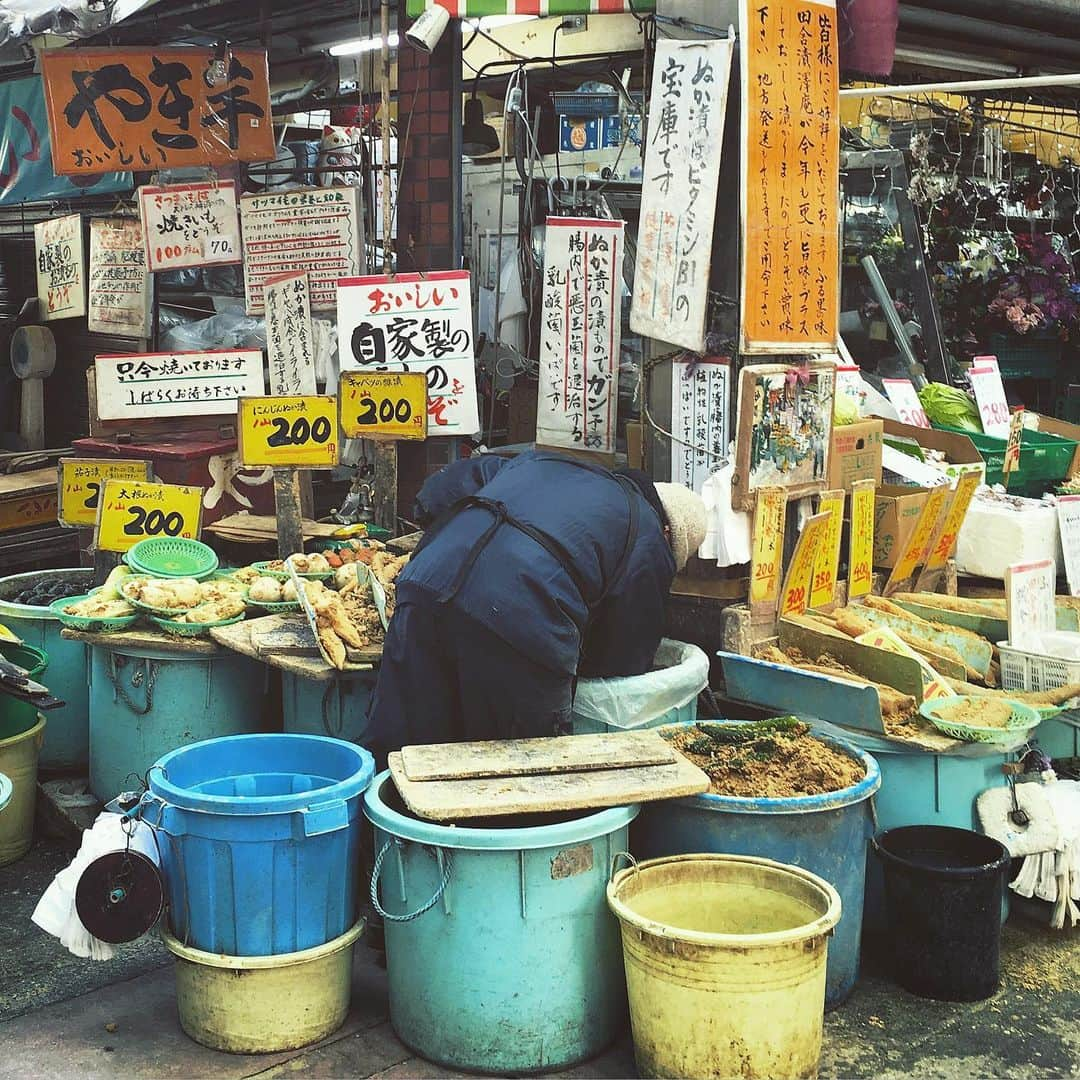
[(791, 176)]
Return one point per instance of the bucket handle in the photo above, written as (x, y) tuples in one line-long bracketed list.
[(377, 868), (615, 863)]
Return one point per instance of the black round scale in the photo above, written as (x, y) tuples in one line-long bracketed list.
[(119, 896)]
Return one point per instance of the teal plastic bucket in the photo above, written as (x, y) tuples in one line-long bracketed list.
[(67, 736), (825, 834), (501, 952), (336, 707), (144, 703), (1059, 737), (19, 716)]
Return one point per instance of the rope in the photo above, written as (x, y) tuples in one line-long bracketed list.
[(376, 869)]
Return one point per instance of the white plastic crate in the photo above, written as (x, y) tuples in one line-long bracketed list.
[(1035, 671)]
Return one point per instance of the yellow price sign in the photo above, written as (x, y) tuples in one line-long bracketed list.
[(766, 558), (288, 432), (384, 404), (796, 592), (861, 546), (133, 510), (1012, 447), (823, 583), (944, 542), (920, 539), (27, 510), (79, 481)]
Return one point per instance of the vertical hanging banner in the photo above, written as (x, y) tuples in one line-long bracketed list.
[(61, 275), (415, 322), (700, 417), (119, 299), (580, 334), (317, 230), (289, 347), (190, 225), (790, 270), (678, 195), (163, 107)]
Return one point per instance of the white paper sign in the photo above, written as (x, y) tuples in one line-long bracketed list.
[(1068, 507), (580, 334), (903, 396), (415, 323), (190, 225), (700, 418), (1030, 591), (315, 230), (377, 188), (147, 385), (119, 300), (678, 194), (61, 276), (990, 397), (290, 349)]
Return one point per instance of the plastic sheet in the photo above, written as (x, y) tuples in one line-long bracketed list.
[(682, 672), (76, 18), (875, 745)]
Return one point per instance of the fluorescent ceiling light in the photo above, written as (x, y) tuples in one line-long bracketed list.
[(362, 45), (493, 22)]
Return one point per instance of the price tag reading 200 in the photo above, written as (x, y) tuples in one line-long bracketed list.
[(384, 404), (293, 432), (133, 510)]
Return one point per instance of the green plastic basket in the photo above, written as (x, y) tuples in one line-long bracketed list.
[(283, 575), (89, 624), (173, 556), (147, 608), (1023, 718), (280, 607), (191, 630), (1045, 459), (1032, 356)]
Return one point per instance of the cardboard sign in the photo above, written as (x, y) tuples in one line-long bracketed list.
[(943, 543), (1068, 508), (903, 396), (678, 192), (383, 404), (132, 510), (156, 107), (1030, 599), (990, 397), (290, 349), (766, 561), (580, 334), (415, 322), (700, 418), (1012, 447), (861, 545), (827, 564), (79, 483), (190, 225), (61, 275), (315, 230), (297, 432), (119, 300), (790, 264), (143, 385), (795, 595), (919, 542)]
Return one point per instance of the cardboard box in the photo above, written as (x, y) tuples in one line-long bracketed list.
[(896, 513), (1052, 426), (854, 454), (959, 450)]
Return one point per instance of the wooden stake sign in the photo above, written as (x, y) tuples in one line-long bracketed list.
[(944, 542), (766, 561), (79, 483), (132, 510), (827, 564), (795, 595), (919, 542), (861, 544)]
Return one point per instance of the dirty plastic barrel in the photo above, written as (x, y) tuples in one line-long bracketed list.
[(725, 965), (19, 716), (943, 896), (336, 707), (19, 762)]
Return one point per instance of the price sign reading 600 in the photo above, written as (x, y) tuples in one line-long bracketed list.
[(133, 510), (384, 404), (298, 432)]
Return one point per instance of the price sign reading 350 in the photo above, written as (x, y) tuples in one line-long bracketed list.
[(384, 404), (297, 432), (133, 510)]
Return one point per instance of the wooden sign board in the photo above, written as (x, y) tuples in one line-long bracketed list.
[(383, 404), (119, 298), (133, 510), (190, 225), (1012, 447), (291, 432), (79, 483), (61, 273)]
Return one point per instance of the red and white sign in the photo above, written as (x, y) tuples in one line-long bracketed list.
[(190, 225), (903, 396), (990, 396)]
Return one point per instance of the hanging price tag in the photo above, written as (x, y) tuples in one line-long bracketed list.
[(1012, 447), (78, 485), (384, 404), (903, 396), (765, 562), (919, 541), (861, 543), (132, 510), (796, 592), (944, 542), (823, 583), (296, 432)]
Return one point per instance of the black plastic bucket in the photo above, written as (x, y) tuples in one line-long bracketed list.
[(943, 894)]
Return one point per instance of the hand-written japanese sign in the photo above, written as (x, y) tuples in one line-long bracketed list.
[(1014, 444), (297, 432), (317, 230), (79, 483), (1029, 598), (152, 108), (796, 592), (132, 510), (989, 391), (415, 322), (1068, 508), (791, 175), (700, 418), (944, 540), (580, 334), (902, 394), (861, 545), (827, 564), (134, 385), (119, 299), (918, 545), (766, 560), (678, 195), (61, 276), (386, 404), (290, 348), (190, 225)]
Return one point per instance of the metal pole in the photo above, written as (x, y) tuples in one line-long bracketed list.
[(384, 87), (970, 86)]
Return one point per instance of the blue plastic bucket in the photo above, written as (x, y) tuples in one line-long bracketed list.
[(826, 834), (260, 840), (144, 703), (336, 707), (501, 953)]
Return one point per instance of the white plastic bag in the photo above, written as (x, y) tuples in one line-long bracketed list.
[(634, 701)]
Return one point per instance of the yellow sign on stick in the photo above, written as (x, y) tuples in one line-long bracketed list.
[(289, 432), (133, 510), (79, 481), (861, 546), (944, 542), (766, 562), (920, 539), (384, 404), (796, 592), (823, 583)]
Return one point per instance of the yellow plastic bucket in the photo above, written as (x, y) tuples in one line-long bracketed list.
[(19, 762), (260, 1004), (725, 965)]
